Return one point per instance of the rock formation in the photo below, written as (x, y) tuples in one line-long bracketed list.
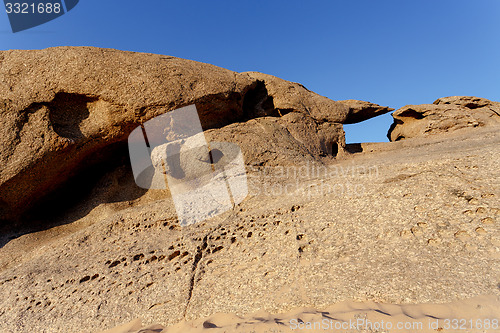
[(361, 110), (412, 221), (65, 109), (444, 115)]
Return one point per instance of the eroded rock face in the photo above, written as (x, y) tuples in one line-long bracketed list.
[(290, 96), (286, 140), (444, 115), (307, 239), (277, 250), (61, 107), (469, 102), (361, 110)]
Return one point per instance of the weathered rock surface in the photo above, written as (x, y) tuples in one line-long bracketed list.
[(290, 96), (61, 106), (469, 102), (413, 221), (444, 115), (285, 140), (361, 110), (64, 109), (413, 225)]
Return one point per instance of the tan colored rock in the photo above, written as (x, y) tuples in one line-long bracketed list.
[(293, 138), (299, 242), (469, 102), (361, 110), (290, 96), (312, 232), (445, 115), (66, 109), (61, 106)]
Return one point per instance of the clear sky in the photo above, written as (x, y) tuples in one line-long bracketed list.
[(390, 52)]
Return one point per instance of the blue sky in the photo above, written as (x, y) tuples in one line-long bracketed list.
[(390, 52)]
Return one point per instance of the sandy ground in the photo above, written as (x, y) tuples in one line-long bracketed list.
[(479, 314), (423, 230)]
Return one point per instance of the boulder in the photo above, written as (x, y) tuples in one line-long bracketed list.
[(66, 109), (61, 106), (469, 102), (444, 115)]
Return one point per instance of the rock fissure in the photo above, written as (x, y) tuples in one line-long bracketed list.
[(197, 258)]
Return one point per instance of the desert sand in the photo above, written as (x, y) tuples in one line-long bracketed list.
[(473, 315)]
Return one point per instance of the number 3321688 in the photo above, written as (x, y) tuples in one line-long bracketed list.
[(26, 8)]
